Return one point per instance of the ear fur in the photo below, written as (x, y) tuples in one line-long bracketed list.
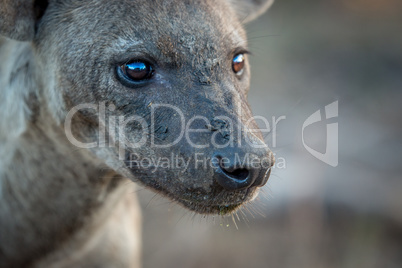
[(248, 10), (18, 18)]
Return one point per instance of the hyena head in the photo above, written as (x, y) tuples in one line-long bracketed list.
[(155, 89)]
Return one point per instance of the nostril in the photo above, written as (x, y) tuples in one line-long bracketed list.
[(262, 180), (232, 178), (238, 174)]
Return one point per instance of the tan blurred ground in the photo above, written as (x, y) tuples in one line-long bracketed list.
[(308, 54)]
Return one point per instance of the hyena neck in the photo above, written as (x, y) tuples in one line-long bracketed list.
[(48, 189), (60, 197)]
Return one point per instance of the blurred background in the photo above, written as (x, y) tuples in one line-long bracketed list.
[(306, 55)]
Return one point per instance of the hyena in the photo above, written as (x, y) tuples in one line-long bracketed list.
[(88, 89)]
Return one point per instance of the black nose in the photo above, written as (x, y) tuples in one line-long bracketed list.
[(233, 174)]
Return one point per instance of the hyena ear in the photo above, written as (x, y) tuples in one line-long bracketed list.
[(18, 18), (248, 10)]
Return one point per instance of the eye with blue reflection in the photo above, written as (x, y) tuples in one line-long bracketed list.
[(238, 64), (137, 71)]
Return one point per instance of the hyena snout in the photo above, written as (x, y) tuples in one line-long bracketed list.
[(240, 169)]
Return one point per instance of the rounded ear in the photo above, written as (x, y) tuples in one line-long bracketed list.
[(18, 18), (248, 10)]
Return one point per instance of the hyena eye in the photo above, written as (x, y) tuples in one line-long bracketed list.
[(238, 64), (136, 71)]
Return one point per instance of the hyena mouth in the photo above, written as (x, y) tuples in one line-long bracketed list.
[(223, 204), (195, 192)]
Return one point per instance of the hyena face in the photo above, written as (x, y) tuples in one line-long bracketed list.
[(158, 91)]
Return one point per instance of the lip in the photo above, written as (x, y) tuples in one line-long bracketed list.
[(201, 208), (217, 209)]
